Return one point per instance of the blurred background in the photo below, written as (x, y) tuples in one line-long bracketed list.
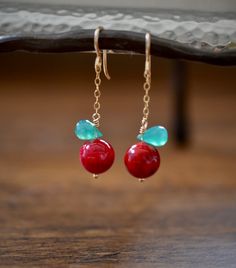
[(46, 193), (43, 96), (52, 212)]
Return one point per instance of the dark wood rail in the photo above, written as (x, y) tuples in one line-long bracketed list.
[(117, 41)]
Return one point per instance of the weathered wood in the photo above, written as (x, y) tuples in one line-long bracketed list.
[(118, 41), (178, 34), (53, 214)]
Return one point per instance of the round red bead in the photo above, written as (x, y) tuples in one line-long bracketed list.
[(142, 160), (97, 156)]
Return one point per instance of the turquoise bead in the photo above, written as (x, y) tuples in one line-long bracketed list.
[(156, 136), (86, 130)]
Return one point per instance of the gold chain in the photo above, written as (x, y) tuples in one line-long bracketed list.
[(97, 93), (97, 81), (146, 99), (147, 84)]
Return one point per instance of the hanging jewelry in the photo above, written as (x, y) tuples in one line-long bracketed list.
[(142, 159), (96, 155)]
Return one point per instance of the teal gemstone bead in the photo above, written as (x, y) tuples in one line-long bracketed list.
[(156, 136), (86, 130)]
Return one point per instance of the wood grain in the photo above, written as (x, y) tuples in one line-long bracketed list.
[(53, 214)]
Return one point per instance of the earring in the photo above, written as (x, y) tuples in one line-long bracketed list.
[(142, 159), (96, 155)]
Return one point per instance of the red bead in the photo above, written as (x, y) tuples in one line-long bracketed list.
[(97, 156), (142, 160)]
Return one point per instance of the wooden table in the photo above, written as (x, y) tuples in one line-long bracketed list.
[(52, 214)]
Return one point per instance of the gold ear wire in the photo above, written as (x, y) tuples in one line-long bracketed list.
[(98, 51), (148, 53), (96, 37), (105, 70)]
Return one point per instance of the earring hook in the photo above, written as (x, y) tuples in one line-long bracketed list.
[(98, 51), (148, 53), (96, 37)]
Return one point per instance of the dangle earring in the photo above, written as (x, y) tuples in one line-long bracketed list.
[(142, 159), (96, 155)]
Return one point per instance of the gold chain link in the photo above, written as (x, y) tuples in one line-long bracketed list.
[(146, 100), (147, 84), (97, 93)]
